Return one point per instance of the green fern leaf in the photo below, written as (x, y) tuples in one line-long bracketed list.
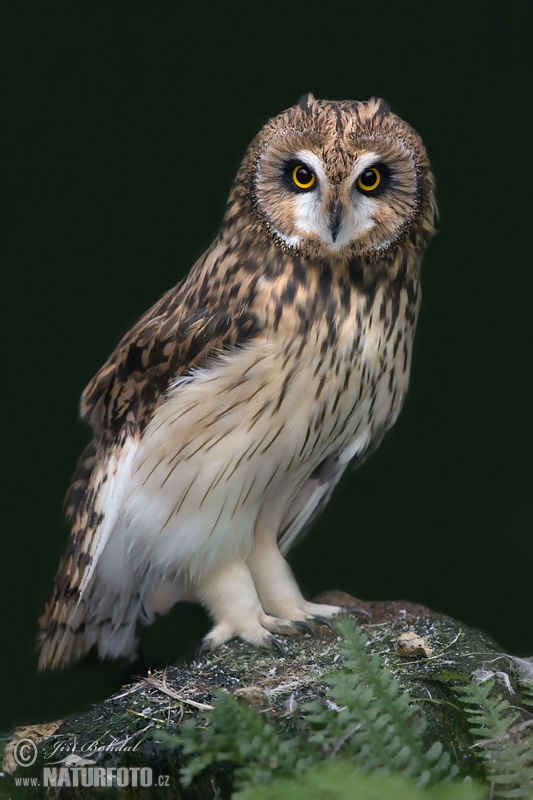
[(377, 724), (238, 735), (501, 740), (340, 780)]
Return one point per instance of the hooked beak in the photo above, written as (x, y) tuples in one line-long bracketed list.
[(335, 217)]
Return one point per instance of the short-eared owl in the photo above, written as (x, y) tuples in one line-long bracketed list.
[(226, 416)]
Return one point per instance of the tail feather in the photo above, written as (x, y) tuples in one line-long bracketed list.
[(65, 639), (98, 490), (106, 620)]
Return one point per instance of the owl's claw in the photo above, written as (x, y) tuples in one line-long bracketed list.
[(277, 645), (305, 626), (324, 621), (356, 610), (201, 651), (271, 642)]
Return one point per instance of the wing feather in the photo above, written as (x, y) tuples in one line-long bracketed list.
[(308, 503), (184, 328), (314, 495), (63, 622)]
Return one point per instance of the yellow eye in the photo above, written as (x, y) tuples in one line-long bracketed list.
[(303, 177), (369, 179)]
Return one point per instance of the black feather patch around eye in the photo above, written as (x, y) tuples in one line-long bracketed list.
[(298, 177), (373, 180)]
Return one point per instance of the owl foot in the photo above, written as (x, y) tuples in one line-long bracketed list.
[(303, 613), (320, 613), (271, 643), (257, 633)]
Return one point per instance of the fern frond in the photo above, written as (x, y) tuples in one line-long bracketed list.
[(367, 719), (526, 693), (504, 743), (376, 722), (340, 780), (238, 735)]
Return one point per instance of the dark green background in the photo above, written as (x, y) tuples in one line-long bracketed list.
[(125, 124)]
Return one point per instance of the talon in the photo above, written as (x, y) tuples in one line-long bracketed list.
[(356, 610), (277, 645), (304, 625), (324, 621), (202, 650)]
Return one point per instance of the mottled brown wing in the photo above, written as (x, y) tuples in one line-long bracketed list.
[(180, 332), (315, 494), (191, 321)]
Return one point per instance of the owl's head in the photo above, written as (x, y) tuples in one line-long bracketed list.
[(338, 177)]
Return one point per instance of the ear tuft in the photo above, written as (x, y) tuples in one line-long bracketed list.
[(306, 101), (384, 107)]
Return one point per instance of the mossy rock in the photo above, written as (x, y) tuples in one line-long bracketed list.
[(139, 726)]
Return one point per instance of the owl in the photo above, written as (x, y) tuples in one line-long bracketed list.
[(227, 415)]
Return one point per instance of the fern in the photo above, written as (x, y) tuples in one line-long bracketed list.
[(526, 691), (367, 738), (238, 735), (340, 780), (501, 738), (378, 725), (369, 720)]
